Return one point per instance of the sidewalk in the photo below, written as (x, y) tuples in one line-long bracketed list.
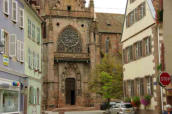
[(77, 112)]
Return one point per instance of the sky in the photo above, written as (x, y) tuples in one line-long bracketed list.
[(109, 6)]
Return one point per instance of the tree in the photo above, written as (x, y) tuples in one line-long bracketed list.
[(106, 78)]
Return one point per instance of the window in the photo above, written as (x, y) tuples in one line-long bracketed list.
[(38, 66), (131, 88), (34, 62), (2, 40), (21, 52), (14, 11), (29, 28), (142, 10), (38, 35), (31, 95), (12, 45), (138, 87), (107, 45), (135, 15), (138, 50), (6, 7), (18, 50), (147, 45), (38, 98), (132, 18), (149, 85), (21, 18), (124, 56), (10, 101), (29, 58), (142, 87), (130, 53), (33, 31)]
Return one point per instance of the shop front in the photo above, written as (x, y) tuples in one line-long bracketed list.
[(11, 96)]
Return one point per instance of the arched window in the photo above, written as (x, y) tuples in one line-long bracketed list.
[(69, 41)]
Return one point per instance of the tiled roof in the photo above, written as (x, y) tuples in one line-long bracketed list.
[(110, 23)]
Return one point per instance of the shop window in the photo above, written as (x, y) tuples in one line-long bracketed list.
[(10, 101)]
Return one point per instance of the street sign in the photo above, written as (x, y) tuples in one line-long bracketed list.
[(165, 78)]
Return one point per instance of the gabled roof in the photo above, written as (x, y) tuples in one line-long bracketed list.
[(109, 23)]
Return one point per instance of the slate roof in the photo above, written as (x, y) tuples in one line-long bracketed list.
[(109, 23)]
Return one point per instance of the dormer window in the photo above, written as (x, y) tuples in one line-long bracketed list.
[(69, 8)]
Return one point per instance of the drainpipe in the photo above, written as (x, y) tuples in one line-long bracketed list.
[(159, 60)]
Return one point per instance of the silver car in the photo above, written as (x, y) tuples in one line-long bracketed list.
[(122, 108)]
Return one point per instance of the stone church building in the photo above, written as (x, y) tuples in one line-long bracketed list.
[(75, 40)]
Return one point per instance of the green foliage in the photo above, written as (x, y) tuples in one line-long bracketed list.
[(159, 67), (106, 78), (147, 97), (136, 101), (128, 100), (160, 16)]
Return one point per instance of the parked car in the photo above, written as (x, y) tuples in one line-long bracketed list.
[(104, 106), (122, 108)]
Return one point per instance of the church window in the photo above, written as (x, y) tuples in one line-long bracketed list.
[(69, 41)]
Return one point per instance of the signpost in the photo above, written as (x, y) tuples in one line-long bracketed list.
[(164, 79)]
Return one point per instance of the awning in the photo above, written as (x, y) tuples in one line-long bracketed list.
[(4, 85)]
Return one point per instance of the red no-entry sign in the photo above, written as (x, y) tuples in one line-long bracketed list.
[(165, 78)]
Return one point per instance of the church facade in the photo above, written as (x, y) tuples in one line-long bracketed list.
[(75, 38)]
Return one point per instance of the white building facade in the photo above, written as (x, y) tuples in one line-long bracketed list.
[(140, 53)]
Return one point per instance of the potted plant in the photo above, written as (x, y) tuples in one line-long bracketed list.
[(136, 101), (146, 100), (127, 99)]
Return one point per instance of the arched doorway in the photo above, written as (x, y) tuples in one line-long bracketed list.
[(70, 91)]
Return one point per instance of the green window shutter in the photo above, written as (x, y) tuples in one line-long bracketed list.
[(35, 96), (33, 31), (31, 95)]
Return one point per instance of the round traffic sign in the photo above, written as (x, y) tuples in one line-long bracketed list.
[(165, 78)]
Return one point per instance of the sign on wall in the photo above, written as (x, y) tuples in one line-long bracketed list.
[(165, 79), (5, 60)]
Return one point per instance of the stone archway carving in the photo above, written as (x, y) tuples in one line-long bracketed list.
[(67, 73)]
